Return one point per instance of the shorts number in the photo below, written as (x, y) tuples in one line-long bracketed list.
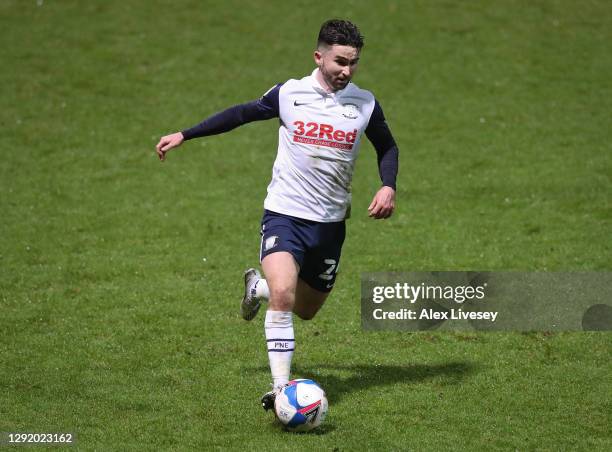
[(329, 274)]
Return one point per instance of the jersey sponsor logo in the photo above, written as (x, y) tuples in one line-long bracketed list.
[(323, 135), (297, 104)]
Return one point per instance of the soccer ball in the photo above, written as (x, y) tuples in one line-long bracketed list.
[(301, 405)]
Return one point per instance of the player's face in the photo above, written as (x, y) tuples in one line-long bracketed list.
[(337, 64)]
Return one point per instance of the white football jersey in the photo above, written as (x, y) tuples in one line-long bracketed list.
[(318, 144)]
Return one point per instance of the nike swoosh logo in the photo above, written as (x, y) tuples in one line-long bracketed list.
[(297, 104)]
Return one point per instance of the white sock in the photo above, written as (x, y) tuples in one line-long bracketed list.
[(281, 342), (261, 289)]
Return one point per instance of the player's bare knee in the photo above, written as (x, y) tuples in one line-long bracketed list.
[(281, 306), (282, 299)]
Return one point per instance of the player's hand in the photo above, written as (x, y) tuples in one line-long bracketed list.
[(168, 142), (383, 204)]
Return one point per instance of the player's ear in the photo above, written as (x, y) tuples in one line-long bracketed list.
[(318, 57)]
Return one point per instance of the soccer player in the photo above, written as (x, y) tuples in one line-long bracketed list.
[(322, 119)]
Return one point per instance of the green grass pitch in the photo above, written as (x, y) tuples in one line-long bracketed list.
[(120, 277)]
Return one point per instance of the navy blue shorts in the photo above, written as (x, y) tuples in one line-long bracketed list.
[(315, 246)]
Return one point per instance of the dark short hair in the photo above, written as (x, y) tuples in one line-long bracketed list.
[(341, 32)]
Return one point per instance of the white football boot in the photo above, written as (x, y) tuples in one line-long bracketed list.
[(250, 303)]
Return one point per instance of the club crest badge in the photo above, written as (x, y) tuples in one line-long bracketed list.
[(350, 111), (271, 242)]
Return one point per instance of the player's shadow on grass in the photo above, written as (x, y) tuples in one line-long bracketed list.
[(363, 376), (338, 380)]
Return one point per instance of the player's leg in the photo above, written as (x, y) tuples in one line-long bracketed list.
[(319, 269), (281, 272), (288, 294), (285, 243), (308, 301), (282, 251), (277, 235)]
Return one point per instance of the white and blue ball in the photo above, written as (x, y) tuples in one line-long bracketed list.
[(301, 405)]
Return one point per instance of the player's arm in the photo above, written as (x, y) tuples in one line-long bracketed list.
[(383, 203), (263, 108)]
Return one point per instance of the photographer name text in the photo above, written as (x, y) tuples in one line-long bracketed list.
[(408, 293), (430, 314)]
